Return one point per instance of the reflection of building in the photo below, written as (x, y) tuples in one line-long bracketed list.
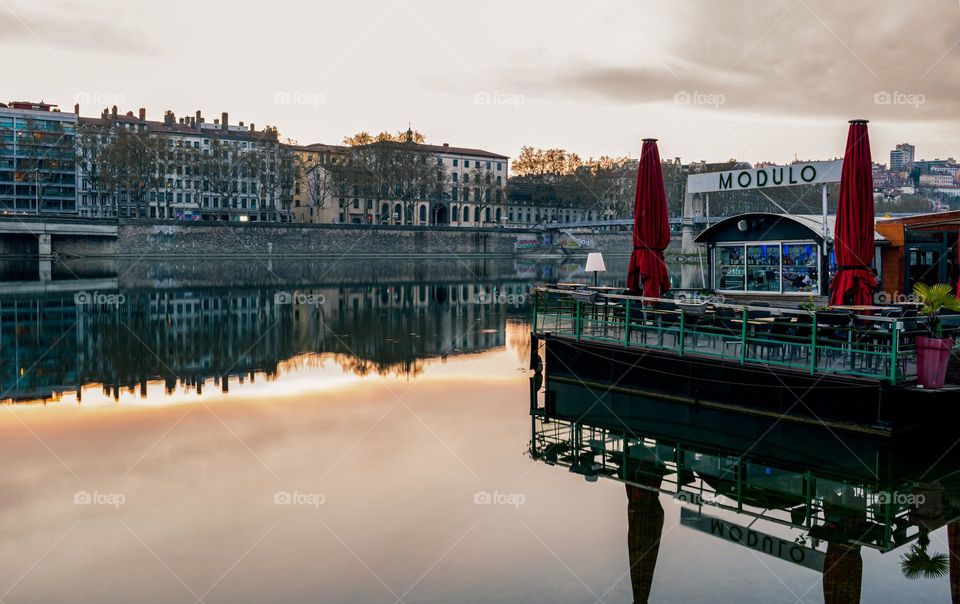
[(36, 355), (52, 344), (37, 158)]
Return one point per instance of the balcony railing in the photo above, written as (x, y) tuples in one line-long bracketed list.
[(876, 343)]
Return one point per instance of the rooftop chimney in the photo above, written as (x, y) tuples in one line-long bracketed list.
[(143, 114), (446, 145), (223, 120), (113, 111), (76, 108), (168, 118), (199, 117), (240, 124), (252, 129), (216, 122)]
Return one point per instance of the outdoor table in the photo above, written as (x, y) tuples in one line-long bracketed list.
[(756, 321)]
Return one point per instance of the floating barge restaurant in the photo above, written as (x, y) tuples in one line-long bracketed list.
[(767, 345), (840, 367)]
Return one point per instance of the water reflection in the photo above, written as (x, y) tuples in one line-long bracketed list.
[(188, 337), (195, 325), (644, 529), (797, 493), (398, 399)]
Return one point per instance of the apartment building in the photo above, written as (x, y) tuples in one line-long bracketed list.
[(181, 168)]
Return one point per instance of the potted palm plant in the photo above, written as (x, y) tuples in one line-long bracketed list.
[(933, 351)]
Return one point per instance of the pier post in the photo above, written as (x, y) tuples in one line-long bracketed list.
[(45, 270), (894, 345), (743, 335), (626, 324), (813, 344), (44, 246)]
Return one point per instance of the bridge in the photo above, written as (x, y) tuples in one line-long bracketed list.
[(20, 229), (620, 224)]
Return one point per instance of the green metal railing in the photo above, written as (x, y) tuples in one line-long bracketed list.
[(833, 342)]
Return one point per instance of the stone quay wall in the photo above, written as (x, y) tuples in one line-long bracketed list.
[(136, 238), (230, 240)]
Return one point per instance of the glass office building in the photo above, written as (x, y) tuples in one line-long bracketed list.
[(38, 171)]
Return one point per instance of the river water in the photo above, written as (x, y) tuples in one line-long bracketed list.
[(323, 431)]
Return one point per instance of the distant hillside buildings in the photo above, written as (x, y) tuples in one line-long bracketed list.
[(902, 156), (938, 179)]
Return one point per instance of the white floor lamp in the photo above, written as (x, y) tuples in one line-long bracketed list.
[(595, 264)]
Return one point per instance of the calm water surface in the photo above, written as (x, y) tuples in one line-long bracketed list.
[(308, 431)]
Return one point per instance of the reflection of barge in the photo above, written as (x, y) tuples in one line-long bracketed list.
[(858, 490), (838, 368)]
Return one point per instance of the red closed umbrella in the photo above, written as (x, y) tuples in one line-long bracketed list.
[(853, 245), (651, 227)]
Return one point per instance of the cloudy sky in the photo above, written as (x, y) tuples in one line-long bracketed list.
[(712, 79)]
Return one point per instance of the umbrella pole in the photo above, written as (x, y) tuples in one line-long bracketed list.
[(826, 230)]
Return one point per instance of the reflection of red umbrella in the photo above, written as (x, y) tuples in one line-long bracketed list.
[(651, 227), (853, 236)]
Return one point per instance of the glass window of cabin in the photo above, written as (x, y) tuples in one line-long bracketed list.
[(763, 268), (728, 268), (801, 267)]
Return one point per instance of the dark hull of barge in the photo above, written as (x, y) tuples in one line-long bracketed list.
[(687, 386)]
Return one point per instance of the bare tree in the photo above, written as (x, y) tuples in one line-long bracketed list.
[(481, 189), (325, 179), (93, 141), (134, 166), (221, 169), (392, 172)]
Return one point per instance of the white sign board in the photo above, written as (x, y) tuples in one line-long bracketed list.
[(809, 173), (787, 551)]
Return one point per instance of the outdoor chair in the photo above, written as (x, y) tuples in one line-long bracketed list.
[(837, 328), (695, 318), (725, 327)]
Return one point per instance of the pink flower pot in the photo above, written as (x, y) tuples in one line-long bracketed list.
[(933, 355)]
